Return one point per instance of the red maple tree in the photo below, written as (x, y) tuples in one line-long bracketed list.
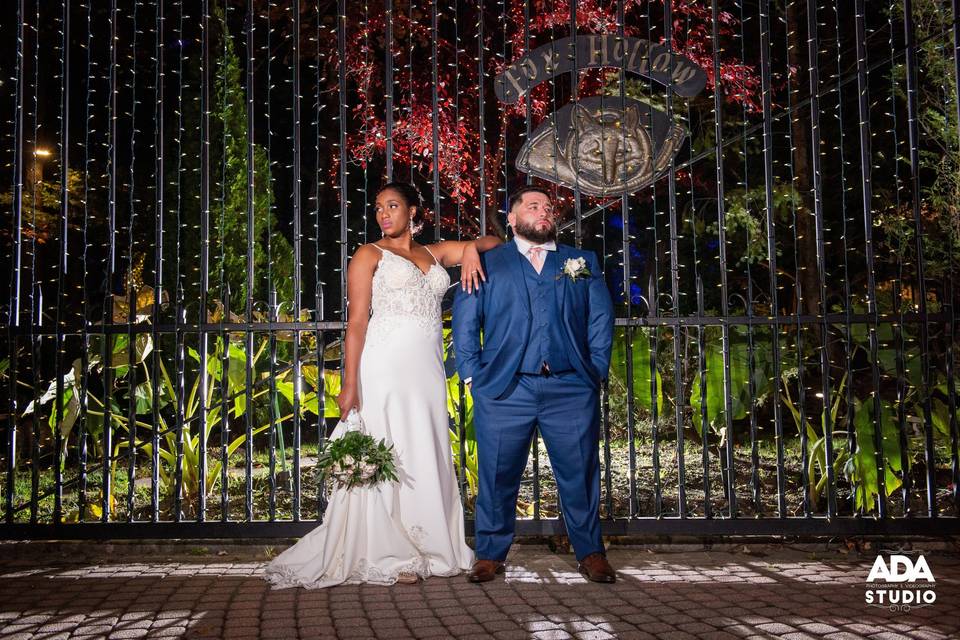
[(458, 123)]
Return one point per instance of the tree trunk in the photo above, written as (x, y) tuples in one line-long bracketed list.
[(807, 277)]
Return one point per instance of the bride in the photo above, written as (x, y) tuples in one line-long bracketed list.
[(394, 376)]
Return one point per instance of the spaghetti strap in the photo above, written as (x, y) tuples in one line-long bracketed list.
[(431, 255), (374, 244)]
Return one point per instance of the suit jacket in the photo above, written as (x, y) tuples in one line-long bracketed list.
[(500, 308)]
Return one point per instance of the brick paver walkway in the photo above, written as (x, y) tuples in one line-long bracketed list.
[(125, 591)]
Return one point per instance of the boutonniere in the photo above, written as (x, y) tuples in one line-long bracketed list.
[(576, 268)]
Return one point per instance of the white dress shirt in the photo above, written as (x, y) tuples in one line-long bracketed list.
[(524, 246)]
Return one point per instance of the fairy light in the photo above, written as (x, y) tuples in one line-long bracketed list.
[(701, 332), (766, 106), (748, 302), (227, 100), (342, 148), (848, 301), (36, 291), (130, 286), (251, 55), (434, 119), (117, 79), (267, 54), (85, 306), (273, 306), (62, 266), (366, 130), (898, 308), (318, 314), (297, 282), (388, 84)]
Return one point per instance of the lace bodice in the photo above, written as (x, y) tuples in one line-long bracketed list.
[(401, 290)]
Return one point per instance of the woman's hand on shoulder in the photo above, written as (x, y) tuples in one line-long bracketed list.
[(471, 269)]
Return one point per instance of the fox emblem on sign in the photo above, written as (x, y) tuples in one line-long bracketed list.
[(602, 145)]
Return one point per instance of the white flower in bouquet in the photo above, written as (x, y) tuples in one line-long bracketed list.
[(367, 470), (575, 268), (347, 461)]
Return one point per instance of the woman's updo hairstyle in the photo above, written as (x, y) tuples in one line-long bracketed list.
[(412, 198)]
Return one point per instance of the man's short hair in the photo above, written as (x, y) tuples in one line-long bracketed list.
[(517, 195)]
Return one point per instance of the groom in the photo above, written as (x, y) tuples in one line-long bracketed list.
[(547, 324)]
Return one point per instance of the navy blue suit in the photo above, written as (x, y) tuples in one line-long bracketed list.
[(517, 311)]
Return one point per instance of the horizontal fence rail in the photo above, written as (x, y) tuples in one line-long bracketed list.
[(184, 184)]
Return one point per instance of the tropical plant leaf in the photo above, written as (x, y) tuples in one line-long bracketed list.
[(641, 361), (862, 467)]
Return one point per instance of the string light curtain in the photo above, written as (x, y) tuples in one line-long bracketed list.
[(184, 184)]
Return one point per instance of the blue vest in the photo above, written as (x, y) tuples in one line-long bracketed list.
[(546, 342)]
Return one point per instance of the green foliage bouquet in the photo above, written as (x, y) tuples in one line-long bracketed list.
[(355, 459)]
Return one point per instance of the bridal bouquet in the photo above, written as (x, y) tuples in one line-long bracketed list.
[(355, 459)]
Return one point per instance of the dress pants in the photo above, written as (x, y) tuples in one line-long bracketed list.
[(567, 411)]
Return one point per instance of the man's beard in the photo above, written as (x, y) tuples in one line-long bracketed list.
[(534, 234)]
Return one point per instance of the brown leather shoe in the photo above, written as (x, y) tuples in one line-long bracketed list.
[(596, 569), (485, 570)]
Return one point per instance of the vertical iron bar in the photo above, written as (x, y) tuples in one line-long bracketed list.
[(504, 139), (297, 279), (318, 314), (274, 404), (799, 310), (628, 330), (826, 422), (85, 311), (675, 279), (704, 421), (202, 319), (223, 336), (574, 98), (866, 155), (159, 184), (272, 309), (951, 333), (181, 426), (732, 508), (251, 213), (766, 89), (410, 82), (849, 347), (13, 319), (225, 402), (342, 119), (435, 120), (481, 113), (914, 138), (528, 127), (898, 334), (64, 248), (180, 317), (652, 338), (461, 418), (36, 298), (388, 86), (131, 292), (108, 339), (749, 308)]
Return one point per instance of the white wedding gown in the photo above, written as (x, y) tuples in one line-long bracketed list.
[(372, 534)]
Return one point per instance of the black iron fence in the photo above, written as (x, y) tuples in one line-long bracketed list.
[(185, 183)]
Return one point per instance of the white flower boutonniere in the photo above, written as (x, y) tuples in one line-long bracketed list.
[(575, 268)]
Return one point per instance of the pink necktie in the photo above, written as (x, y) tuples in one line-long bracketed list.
[(536, 258)]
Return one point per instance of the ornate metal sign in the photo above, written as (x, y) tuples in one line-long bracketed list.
[(605, 146)]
